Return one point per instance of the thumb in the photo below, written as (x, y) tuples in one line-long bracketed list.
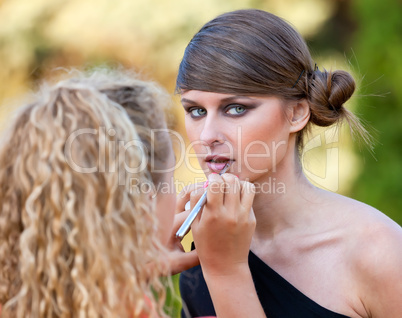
[(180, 261), (184, 196), (179, 219)]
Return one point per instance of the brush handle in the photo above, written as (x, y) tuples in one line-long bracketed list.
[(185, 227)]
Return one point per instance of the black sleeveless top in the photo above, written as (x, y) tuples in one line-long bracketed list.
[(278, 297)]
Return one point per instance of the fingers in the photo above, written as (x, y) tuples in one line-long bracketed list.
[(179, 219), (216, 188), (195, 196), (247, 194), (227, 218), (227, 197), (178, 259), (232, 191), (251, 218), (182, 261), (224, 190), (184, 196)]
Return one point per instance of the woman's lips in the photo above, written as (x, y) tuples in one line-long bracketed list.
[(216, 166), (217, 163)]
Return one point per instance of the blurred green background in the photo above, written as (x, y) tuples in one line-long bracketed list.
[(40, 39)]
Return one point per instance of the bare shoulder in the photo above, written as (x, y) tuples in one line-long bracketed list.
[(374, 254), (370, 225), (370, 232), (378, 239)]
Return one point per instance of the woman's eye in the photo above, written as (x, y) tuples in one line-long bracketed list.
[(236, 110), (197, 112)]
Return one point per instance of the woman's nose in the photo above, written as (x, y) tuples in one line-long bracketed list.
[(212, 132)]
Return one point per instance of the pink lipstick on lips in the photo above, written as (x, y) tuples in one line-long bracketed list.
[(216, 163)]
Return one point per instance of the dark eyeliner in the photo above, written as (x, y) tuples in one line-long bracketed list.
[(234, 105), (190, 109)]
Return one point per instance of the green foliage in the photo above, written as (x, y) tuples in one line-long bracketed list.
[(150, 35), (173, 300), (378, 48)]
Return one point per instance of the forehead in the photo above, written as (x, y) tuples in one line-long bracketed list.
[(196, 93)]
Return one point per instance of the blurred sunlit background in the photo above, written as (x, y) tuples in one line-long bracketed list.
[(41, 38)]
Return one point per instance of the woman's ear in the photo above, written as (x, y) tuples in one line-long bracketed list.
[(299, 115)]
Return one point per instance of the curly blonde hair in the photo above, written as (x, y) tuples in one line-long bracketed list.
[(75, 238)]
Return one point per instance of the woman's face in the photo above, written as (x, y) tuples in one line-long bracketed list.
[(253, 132)]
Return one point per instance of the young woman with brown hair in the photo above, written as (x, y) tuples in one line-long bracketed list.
[(251, 91)]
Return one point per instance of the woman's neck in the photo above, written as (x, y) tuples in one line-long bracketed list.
[(282, 198)]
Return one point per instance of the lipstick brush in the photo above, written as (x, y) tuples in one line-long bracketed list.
[(185, 227)]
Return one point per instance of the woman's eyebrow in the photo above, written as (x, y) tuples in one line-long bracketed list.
[(224, 100), (189, 101), (235, 97)]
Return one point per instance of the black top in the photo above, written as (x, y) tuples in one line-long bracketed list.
[(277, 296)]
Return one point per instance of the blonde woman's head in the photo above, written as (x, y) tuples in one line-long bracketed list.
[(76, 229)]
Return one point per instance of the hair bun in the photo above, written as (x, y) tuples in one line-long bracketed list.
[(328, 91)]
